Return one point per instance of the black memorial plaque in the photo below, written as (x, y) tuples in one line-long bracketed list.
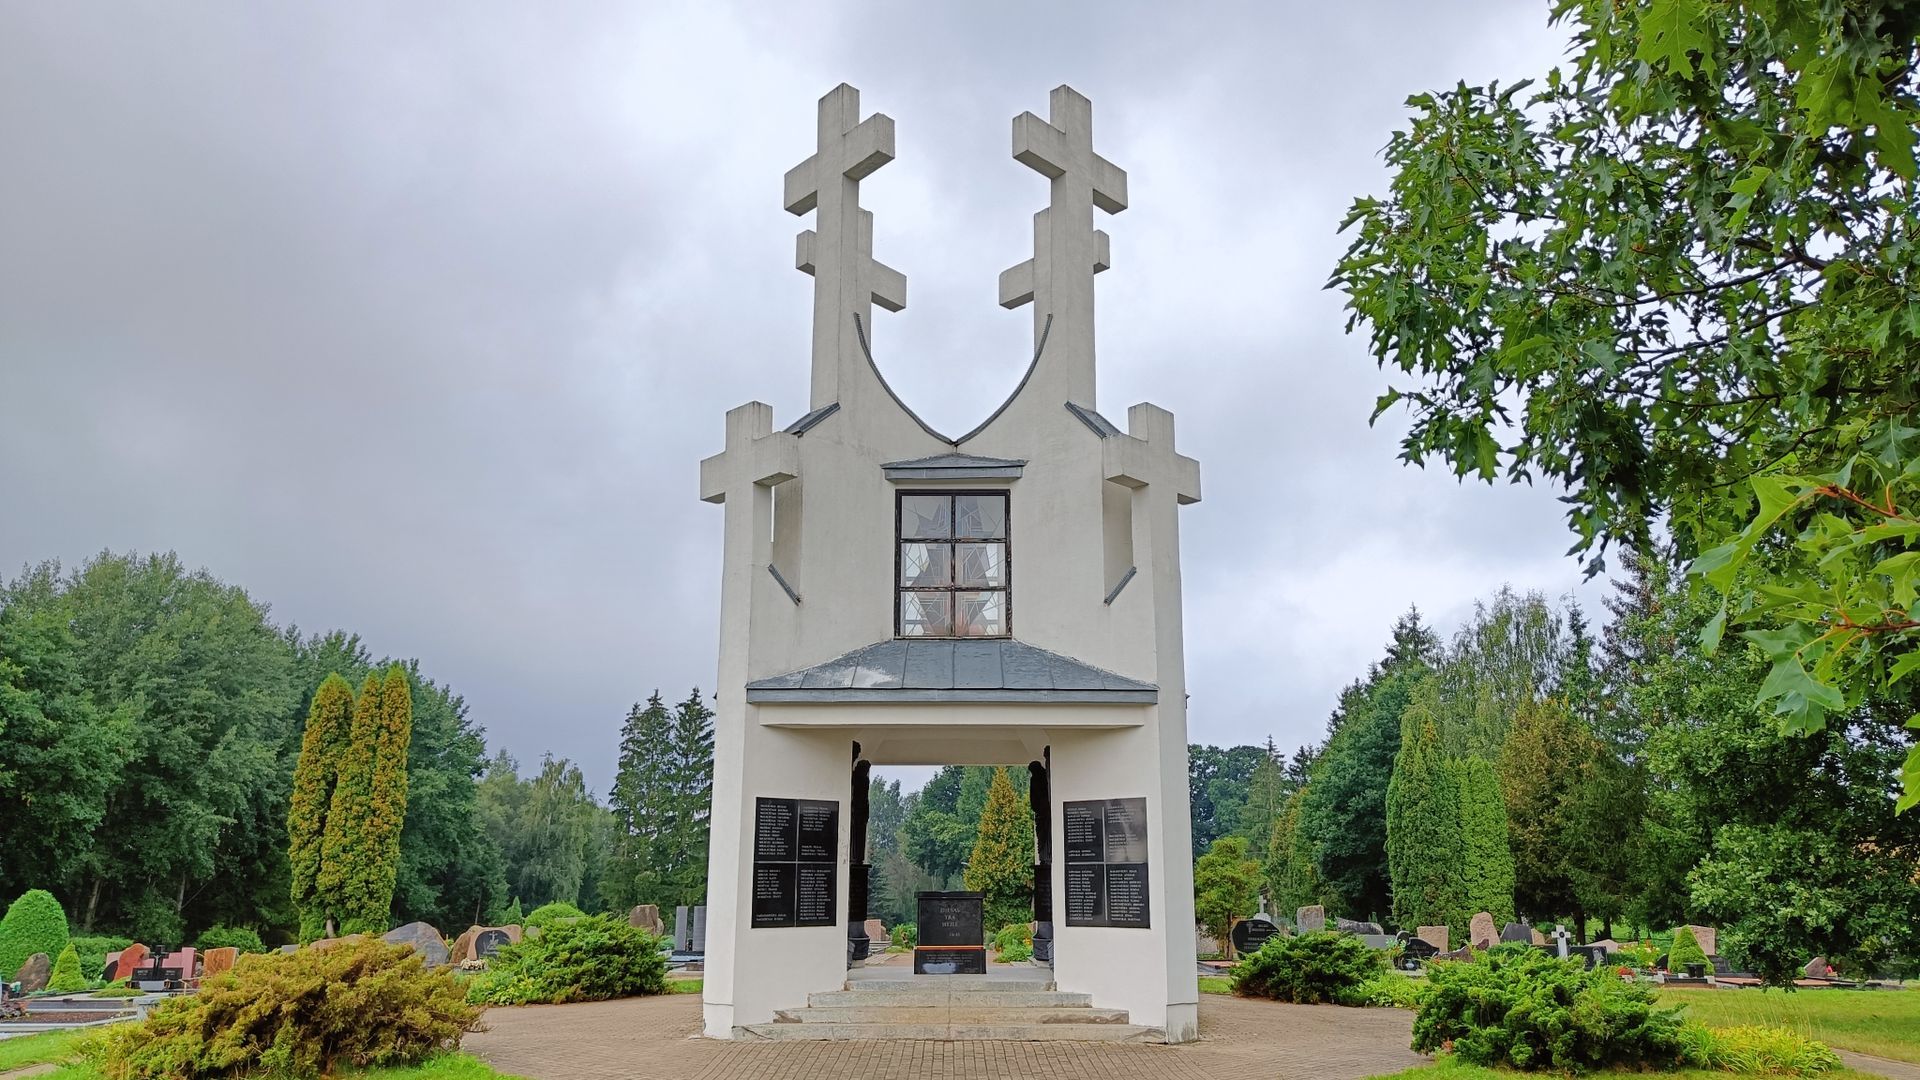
[(1107, 861), (952, 932), (796, 846)]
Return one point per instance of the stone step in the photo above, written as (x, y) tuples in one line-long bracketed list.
[(834, 999), (954, 983), (954, 1032), (956, 1016)]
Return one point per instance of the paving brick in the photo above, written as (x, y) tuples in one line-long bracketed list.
[(658, 1039)]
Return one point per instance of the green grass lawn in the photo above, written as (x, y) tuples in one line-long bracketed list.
[(1885, 1023), (685, 986), (58, 1047), (1216, 984), (1446, 1068)]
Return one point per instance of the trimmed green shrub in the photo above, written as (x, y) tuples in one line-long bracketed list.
[(906, 936), (1389, 990), (230, 937), (93, 954), (1516, 1006), (66, 977), (358, 1004), (34, 923), (546, 914), (1755, 1051), (1309, 969), (590, 958), (1011, 935), (1684, 950)]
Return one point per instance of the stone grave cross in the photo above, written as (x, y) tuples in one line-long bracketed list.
[(838, 251), (1560, 937), (1067, 249)]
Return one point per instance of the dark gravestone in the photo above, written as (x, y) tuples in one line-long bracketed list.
[(1249, 934), (1350, 926), (1415, 951), (488, 942), (952, 934), (1519, 932)]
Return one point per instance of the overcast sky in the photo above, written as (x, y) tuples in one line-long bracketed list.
[(416, 319)]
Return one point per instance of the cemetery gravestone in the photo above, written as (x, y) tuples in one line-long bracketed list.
[(1817, 968), (219, 960), (1311, 918), (1480, 931), (1707, 938), (682, 930), (646, 917), (120, 965), (877, 933), (699, 943), (1249, 934), (490, 941), (1435, 936), (1414, 950), (33, 974), (952, 934), (1519, 932), (1536, 937), (1364, 929), (425, 940)]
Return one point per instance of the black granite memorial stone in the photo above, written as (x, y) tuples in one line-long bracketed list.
[(1249, 934), (952, 934), (796, 843), (1105, 842)]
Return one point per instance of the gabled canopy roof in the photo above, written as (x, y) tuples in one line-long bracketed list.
[(955, 467), (948, 670)]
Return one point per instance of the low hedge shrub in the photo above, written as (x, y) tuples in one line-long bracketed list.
[(590, 958), (1309, 969), (93, 954), (1516, 1006), (66, 977), (1685, 950), (906, 936), (1390, 990), (1755, 1050), (230, 937), (358, 1004)]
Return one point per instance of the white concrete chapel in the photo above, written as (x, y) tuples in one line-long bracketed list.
[(895, 596)]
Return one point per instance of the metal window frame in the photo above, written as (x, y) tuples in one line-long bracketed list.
[(952, 589)]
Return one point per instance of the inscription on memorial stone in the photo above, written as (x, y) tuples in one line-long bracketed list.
[(796, 844), (1107, 861)]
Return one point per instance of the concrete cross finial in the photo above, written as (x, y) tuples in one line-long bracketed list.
[(838, 251), (756, 455), (1145, 457), (1067, 249)]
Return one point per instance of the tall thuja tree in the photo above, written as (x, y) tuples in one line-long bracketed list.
[(360, 854), (690, 782), (1267, 793), (1291, 880), (640, 801), (1001, 864), (1676, 277), (1426, 849), (315, 776), (1343, 815), (1546, 757), (387, 806), (1486, 857)]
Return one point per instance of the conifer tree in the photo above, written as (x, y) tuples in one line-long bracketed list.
[(1426, 855), (639, 803), (690, 798), (1486, 854), (387, 804), (329, 726), (66, 976), (1001, 867)]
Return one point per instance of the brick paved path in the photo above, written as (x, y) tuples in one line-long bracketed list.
[(655, 1039)]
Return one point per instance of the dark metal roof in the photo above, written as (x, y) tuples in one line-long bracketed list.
[(809, 421), (955, 467), (1100, 425), (953, 670)]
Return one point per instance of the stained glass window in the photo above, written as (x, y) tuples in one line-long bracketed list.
[(952, 566)]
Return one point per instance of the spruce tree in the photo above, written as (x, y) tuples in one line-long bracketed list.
[(1486, 851), (1426, 853), (1001, 867), (66, 976), (640, 803), (329, 725), (690, 799)]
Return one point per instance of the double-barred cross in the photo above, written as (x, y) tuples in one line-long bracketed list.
[(838, 251), (1067, 249)]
